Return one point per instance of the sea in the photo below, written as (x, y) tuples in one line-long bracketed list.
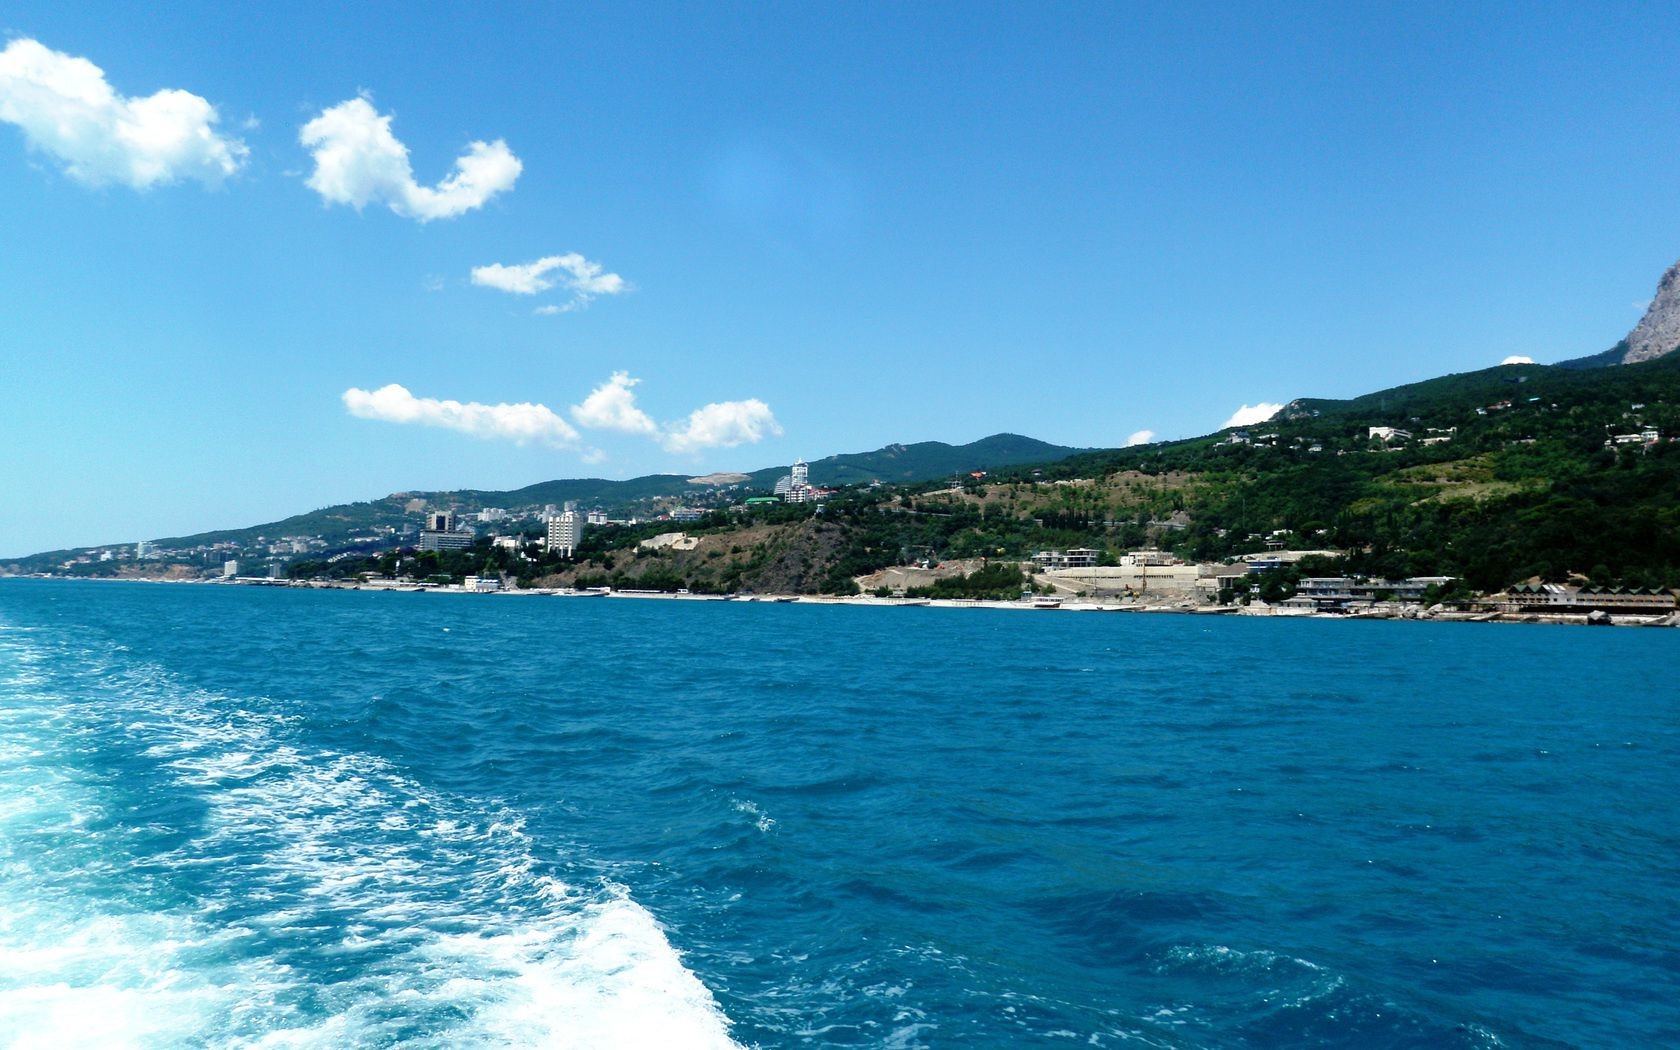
[(253, 817)]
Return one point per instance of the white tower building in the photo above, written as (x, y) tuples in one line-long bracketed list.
[(565, 531)]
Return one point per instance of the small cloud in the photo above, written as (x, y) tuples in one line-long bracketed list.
[(1517, 359), (1250, 415), (1642, 304), (1140, 437), (612, 406), (520, 423), (722, 424), (358, 161), (432, 282), (69, 111), (585, 280), (593, 456)]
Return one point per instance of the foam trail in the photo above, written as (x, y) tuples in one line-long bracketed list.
[(255, 892)]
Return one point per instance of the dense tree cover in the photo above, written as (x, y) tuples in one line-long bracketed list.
[(996, 582)]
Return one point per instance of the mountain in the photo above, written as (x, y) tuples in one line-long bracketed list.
[(1656, 335), (929, 460), (1449, 400), (1658, 332), (343, 524)]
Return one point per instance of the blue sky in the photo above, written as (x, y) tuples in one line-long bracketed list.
[(837, 226)]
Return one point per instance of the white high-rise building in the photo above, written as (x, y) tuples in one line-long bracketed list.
[(565, 531), (798, 484)]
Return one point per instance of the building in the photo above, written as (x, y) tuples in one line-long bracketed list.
[(687, 514), (440, 521), (596, 517), (1330, 593), (1148, 556), (230, 568), (434, 540), (1388, 434), (795, 487), (565, 531), (489, 514), (145, 549), (1077, 558), (1553, 597)]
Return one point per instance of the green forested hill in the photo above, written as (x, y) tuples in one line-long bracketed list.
[(1520, 483), (922, 461)]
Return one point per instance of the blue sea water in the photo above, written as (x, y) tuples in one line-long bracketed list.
[(251, 817)]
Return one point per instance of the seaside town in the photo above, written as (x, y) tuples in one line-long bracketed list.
[(512, 544)]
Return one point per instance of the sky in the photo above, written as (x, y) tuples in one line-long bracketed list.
[(258, 261)]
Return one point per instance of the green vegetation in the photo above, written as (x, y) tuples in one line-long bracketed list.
[(1509, 474), (995, 582)]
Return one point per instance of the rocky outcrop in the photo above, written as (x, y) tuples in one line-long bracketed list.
[(1658, 332)]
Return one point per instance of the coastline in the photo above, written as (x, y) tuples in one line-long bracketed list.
[(1064, 605)]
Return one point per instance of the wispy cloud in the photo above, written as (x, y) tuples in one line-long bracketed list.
[(612, 406), (583, 278), (520, 423), (358, 161), (1140, 437), (1250, 415), (68, 111), (723, 424)]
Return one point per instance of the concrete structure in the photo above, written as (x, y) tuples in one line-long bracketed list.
[(440, 521), (596, 517), (144, 549), (1171, 582), (565, 531), (1149, 556), (230, 568), (489, 514), (1553, 597), (1389, 434), (687, 514), (676, 541), (796, 486), (1077, 558), (434, 540), (1330, 593)]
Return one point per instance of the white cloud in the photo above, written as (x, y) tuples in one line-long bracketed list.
[(68, 110), (1517, 359), (722, 424), (585, 280), (1250, 415), (358, 161), (521, 423), (612, 406), (1141, 437)]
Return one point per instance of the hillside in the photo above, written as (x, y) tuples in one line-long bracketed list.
[(367, 522)]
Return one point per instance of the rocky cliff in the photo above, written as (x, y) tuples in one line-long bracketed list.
[(1658, 332)]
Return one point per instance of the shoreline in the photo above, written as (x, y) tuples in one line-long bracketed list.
[(1066, 605)]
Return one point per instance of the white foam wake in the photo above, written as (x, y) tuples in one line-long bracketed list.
[(314, 899)]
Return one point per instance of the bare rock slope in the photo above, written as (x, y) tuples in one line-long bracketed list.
[(1658, 332)]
